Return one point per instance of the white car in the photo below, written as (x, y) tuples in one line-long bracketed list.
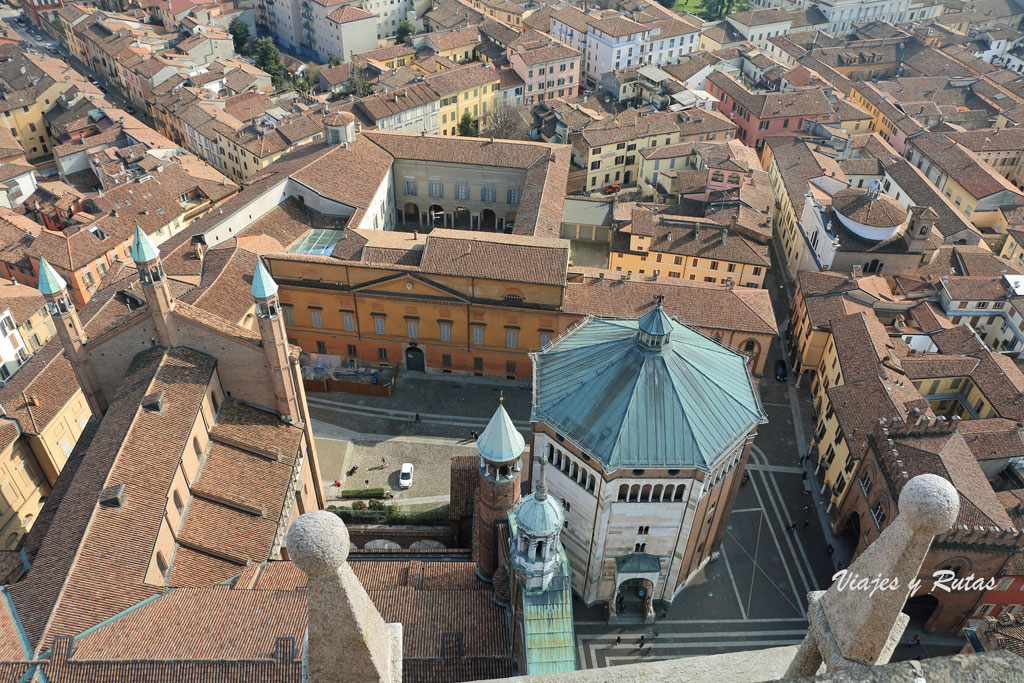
[(405, 477)]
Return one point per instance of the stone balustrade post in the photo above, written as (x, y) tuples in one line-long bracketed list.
[(347, 640), (847, 628)]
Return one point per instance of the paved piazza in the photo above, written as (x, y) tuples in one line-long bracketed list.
[(752, 596)]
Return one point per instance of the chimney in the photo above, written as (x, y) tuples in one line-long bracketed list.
[(725, 235), (858, 271), (345, 633)]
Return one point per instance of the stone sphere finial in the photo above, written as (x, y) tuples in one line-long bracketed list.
[(318, 542), (929, 504)]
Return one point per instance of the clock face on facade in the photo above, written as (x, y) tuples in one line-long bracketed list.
[(408, 285)]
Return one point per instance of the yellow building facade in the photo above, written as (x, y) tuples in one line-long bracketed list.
[(480, 101), (440, 324), (640, 259)]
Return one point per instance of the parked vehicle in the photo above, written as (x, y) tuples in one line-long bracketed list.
[(405, 477), (612, 189)]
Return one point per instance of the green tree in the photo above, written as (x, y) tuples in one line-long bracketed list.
[(404, 30), (468, 128), (333, 60), (312, 75), (668, 4), (239, 31), (268, 58), (357, 80)]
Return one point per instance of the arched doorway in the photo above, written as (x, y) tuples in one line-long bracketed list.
[(412, 213), (753, 351), (488, 220), (634, 599), (921, 609), (462, 219), (414, 359), (435, 217), (850, 532)]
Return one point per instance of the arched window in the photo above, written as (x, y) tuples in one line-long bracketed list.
[(657, 493), (503, 471), (215, 402), (677, 496), (749, 347), (177, 502), (623, 492), (161, 563), (540, 550), (195, 446), (513, 298)]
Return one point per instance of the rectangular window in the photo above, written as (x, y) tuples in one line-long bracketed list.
[(321, 347), (462, 192), (352, 351), (514, 196), (511, 339), (478, 364), (510, 367), (412, 328), (409, 187), (446, 360), (348, 322), (378, 324), (478, 334), (446, 332), (487, 194), (436, 190), (382, 353), (545, 339), (289, 318), (318, 321)]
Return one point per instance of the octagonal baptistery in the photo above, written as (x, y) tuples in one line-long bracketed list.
[(646, 425), (869, 213)]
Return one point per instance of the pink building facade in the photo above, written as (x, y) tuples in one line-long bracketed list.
[(759, 115), (549, 69)]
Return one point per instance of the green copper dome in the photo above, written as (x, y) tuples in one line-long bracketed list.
[(538, 514), (635, 398), (50, 281)]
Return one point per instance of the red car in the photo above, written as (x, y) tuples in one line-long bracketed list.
[(612, 189)]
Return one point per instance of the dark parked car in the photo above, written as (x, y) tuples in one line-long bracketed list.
[(780, 371), (612, 189)]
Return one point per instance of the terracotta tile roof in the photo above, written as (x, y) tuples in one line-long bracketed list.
[(200, 569), (676, 234), (349, 13), (632, 124), (225, 284), (709, 307), (862, 344), (235, 425), (775, 104), (228, 532), (244, 479), (248, 622), (961, 166), (992, 438), (496, 256), (450, 40), (22, 300)]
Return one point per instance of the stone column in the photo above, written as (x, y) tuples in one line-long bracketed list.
[(848, 628), (347, 640)]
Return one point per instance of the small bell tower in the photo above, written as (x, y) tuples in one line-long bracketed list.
[(500, 447), (154, 286), (275, 341), (536, 546), (72, 334)]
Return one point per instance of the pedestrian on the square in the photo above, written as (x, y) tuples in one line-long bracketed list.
[(807, 523), (417, 417), (917, 640), (792, 527), (618, 640), (829, 549), (804, 475), (641, 641), (807, 508)]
